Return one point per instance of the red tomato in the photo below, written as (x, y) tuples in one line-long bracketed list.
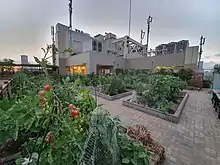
[(47, 140), (74, 113), (47, 87), (71, 106), (48, 134), (42, 92), (76, 116)]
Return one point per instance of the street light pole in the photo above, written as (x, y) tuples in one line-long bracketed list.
[(129, 23)]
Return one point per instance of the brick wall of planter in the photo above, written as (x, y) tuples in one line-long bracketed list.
[(154, 112), (107, 97), (5, 90)]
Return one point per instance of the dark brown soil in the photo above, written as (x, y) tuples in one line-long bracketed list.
[(11, 147)]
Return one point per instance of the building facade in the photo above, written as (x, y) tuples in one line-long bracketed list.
[(24, 59), (104, 53)]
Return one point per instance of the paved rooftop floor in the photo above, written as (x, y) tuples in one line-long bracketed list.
[(195, 140)]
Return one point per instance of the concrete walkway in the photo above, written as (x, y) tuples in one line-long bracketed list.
[(195, 140)]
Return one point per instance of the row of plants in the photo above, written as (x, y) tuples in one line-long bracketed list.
[(59, 135), (160, 92), (126, 79), (58, 122)]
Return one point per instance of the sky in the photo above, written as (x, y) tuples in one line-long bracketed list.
[(25, 24)]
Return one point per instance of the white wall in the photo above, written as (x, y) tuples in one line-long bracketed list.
[(87, 45), (150, 62), (102, 59), (191, 55), (80, 41), (134, 55), (61, 39), (79, 59)]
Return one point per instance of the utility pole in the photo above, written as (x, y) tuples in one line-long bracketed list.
[(202, 42), (70, 22), (149, 21), (129, 23)]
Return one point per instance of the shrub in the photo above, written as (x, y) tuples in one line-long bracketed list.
[(185, 74)]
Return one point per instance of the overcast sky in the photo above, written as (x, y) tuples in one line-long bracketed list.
[(25, 24)]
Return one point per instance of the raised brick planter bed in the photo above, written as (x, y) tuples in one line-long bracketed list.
[(107, 97), (152, 111), (142, 134), (5, 89)]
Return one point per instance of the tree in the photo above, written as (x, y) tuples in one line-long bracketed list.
[(185, 74), (217, 68), (6, 64)]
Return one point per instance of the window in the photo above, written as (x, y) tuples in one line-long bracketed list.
[(100, 47), (94, 45)]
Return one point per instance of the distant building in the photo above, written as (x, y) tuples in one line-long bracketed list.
[(172, 48), (104, 53), (24, 59)]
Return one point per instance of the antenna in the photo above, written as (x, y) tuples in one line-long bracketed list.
[(53, 46), (142, 35), (70, 14), (129, 23), (202, 42), (70, 23), (149, 21)]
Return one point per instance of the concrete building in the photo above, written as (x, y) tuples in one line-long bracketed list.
[(104, 53), (24, 59)]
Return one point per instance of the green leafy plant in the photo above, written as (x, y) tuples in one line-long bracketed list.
[(217, 68), (132, 152), (159, 90), (114, 87), (185, 74)]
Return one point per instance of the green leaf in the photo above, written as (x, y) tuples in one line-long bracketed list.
[(19, 161), (3, 135), (46, 122), (38, 111), (6, 104), (35, 155), (68, 50), (29, 123), (37, 60), (146, 161), (134, 161), (142, 155), (125, 160), (15, 134)]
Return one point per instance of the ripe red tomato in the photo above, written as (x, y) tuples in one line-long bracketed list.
[(47, 87), (74, 113), (76, 116), (42, 92)]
